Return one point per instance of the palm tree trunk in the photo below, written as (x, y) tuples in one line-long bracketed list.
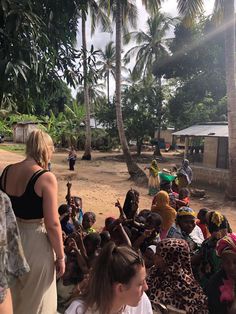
[(133, 169), (157, 152), (87, 150), (229, 20), (108, 87)]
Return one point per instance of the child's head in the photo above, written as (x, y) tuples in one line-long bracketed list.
[(142, 216), (92, 242), (65, 210), (153, 221), (202, 215), (89, 220), (165, 186), (184, 192), (105, 238), (109, 222), (131, 203), (77, 201), (149, 255)]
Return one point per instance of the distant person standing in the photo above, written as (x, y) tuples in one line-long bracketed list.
[(72, 158), (184, 175), (153, 180)]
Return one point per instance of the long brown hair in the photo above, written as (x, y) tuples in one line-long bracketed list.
[(115, 264)]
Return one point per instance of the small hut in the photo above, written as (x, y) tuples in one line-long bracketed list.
[(21, 130)]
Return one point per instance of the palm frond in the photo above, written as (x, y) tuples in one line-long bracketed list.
[(189, 9)]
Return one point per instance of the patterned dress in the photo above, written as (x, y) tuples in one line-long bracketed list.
[(175, 284), (12, 260)]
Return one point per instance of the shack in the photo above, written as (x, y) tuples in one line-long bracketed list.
[(21, 130)]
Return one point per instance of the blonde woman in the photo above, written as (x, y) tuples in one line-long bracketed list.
[(33, 193)]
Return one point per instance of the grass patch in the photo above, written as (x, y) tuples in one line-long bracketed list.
[(16, 148)]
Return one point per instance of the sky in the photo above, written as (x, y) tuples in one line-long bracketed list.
[(100, 39)]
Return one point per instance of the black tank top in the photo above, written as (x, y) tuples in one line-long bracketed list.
[(29, 205)]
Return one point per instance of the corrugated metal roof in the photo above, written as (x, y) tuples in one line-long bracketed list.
[(204, 130)]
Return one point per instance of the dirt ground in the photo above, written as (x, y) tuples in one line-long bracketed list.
[(103, 180)]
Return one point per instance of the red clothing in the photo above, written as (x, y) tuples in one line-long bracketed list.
[(204, 229), (183, 202)]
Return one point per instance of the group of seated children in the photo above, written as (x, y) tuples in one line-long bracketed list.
[(190, 259)]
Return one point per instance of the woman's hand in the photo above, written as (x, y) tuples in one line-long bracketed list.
[(60, 267)]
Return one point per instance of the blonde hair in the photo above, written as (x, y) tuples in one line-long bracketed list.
[(38, 147)]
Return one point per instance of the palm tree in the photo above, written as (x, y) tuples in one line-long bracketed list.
[(96, 95), (189, 9), (107, 63), (123, 12), (97, 17), (150, 46)]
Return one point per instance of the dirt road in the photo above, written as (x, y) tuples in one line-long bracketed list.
[(102, 181)]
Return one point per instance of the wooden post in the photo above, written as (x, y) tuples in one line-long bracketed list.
[(186, 143)]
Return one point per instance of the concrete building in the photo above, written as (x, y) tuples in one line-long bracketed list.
[(210, 155)]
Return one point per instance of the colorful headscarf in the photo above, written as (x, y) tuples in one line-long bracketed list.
[(162, 207), (154, 168), (216, 222), (185, 211), (175, 285), (226, 245)]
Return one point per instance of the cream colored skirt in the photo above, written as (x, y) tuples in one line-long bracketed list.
[(35, 292)]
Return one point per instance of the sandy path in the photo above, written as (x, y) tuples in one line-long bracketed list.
[(100, 182)]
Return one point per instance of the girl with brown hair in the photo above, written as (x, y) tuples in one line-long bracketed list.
[(117, 284)]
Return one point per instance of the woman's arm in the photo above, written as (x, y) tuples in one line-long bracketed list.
[(48, 183)]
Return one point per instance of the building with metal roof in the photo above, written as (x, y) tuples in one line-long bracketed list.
[(211, 129), (210, 140)]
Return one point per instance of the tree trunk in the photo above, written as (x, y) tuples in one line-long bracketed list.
[(108, 87), (133, 169), (139, 146), (87, 149), (229, 20), (157, 152)]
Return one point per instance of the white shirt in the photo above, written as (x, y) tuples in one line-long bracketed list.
[(144, 307), (196, 235)]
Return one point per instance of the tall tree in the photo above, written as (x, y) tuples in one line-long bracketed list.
[(36, 47), (189, 9), (123, 11), (151, 45), (97, 17), (107, 63)]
